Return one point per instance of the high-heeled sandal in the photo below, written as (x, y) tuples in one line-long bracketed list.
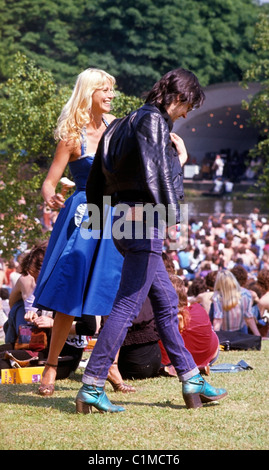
[(121, 387), (205, 370), (115, 379), (168, 370), (89, 396), (46, 390)]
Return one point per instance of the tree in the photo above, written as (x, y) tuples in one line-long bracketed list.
[(30, 103), (258, 106), (137, 41), (45, 31), (140, 40)]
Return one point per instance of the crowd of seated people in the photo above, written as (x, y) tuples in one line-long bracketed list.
[(222, 280), (238, 249)]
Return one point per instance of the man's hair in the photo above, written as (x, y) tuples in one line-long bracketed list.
[(263, 279), (241, 274), (178, 82), (210, 279)]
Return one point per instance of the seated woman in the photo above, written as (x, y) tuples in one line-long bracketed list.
[(21, 296), (232, 305), (22, 312), (196, 330)]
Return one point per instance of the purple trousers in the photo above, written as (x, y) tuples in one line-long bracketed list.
[(143, 274)]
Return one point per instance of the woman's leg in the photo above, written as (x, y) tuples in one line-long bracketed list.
[(114, 376), (60, 330)]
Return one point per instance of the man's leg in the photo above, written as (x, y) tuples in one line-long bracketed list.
[(164, 302), (139, 267)]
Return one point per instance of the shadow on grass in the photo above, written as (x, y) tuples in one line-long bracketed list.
[(28, 395)]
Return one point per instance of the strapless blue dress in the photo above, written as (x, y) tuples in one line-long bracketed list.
[(79, 275)]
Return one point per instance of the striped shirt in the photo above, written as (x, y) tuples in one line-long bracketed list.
[(234, 319)]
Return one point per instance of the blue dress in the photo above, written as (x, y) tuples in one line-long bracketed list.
[(79, 275)]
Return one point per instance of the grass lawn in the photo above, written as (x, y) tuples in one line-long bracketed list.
[(155, 418)]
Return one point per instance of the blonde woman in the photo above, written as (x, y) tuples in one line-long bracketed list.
[(232, 305), (79, 276)]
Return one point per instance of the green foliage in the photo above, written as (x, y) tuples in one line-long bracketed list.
[(123, 104), (258, 106), (30, 103), (148, 38), (45, 31), (137, 41), (29, 106)]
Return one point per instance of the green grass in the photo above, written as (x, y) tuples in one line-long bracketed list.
[(155, 418)]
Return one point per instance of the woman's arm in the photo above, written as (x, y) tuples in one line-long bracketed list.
[(263, 303), (217, 322), (218, 313), (60, 161), (23, 288), (252, 326), (15, 294)]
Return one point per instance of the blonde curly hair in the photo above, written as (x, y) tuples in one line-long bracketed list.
[(75, 114)]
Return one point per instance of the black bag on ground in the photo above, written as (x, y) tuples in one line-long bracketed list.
[(238, 341)]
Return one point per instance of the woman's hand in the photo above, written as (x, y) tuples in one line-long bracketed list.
[(43, 322), (56, 201), (180, 147), (30, 316)]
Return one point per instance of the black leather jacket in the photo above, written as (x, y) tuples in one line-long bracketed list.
[(136, 161)]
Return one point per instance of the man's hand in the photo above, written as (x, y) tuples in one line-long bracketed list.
[(180, 147)]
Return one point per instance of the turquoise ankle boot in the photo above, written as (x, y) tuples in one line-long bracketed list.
[(89, 396), (197, 391)]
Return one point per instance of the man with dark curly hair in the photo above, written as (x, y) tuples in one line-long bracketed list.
[(138, 163)]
